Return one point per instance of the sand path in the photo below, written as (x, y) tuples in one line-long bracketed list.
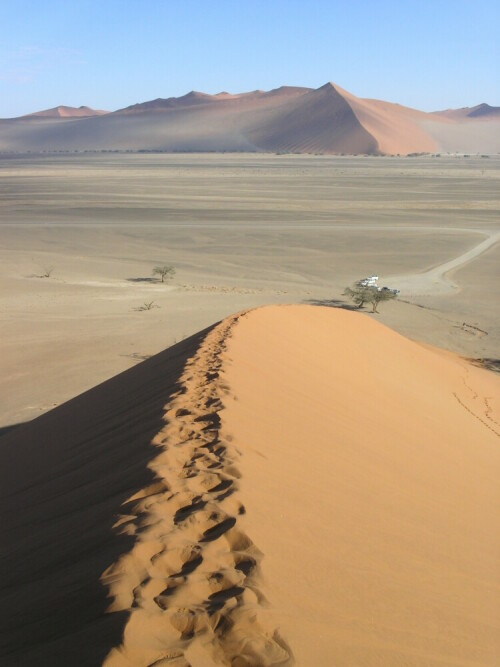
[(436, 281)]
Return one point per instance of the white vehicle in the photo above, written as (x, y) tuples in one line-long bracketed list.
[(371, 281)]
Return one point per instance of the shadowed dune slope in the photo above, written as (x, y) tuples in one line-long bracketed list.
[(318, 121), (370, 471), (63, 479)]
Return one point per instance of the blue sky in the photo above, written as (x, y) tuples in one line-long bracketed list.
[(109, 54)]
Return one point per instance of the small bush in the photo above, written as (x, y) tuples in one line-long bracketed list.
[(165, 272)]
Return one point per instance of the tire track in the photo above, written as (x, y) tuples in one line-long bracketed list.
[(436, 280)]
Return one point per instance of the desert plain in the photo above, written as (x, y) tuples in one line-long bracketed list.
[(241, 231), (236, 467)]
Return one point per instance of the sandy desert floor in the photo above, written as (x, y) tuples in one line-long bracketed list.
[(241, 231)]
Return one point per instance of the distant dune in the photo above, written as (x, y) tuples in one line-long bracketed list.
[(480, 111), (288, 119), (66, 112), (295, 486)]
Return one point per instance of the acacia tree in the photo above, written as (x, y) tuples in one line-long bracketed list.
[(166, 272), (383, 294), (361, 294)]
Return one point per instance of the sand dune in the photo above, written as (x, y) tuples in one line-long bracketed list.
[(287, 119), (317, 121), (480, 111), (195, 98), (319, 490), (64, 478), (66, 112), (396, 128), (372, 463)]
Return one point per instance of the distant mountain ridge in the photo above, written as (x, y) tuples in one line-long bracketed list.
[(291, 119)]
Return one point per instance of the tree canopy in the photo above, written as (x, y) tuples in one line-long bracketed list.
[(361, 293), (166, 271)]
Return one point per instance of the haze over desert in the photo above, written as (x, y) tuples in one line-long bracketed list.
[(249, 334), (289, 119)]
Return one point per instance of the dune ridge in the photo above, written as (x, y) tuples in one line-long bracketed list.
[(191, 579), (289, 119), (395, 127)]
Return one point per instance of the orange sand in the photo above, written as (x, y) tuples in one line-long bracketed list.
[(370, 475), (320, 491)]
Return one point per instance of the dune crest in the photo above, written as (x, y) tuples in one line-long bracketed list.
[(362, 465), (395, 128), (191, 580)]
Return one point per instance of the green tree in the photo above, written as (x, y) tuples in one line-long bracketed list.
[(381, 294), (361, 294), (166, 271), (358, 295)]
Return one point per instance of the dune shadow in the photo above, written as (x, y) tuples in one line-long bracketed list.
[(7, 429), (133, 355), (143, 280), (331, 303), (488, 363), (64, 478)]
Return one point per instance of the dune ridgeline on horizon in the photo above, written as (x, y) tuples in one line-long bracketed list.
[(296, 485), (289, 119)]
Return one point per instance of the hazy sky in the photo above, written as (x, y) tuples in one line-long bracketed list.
[(112, 53)]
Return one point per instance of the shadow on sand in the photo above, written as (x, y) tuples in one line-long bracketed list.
[(331, 303), (144, 280), (490, 364), (64, 477), (6, 429)]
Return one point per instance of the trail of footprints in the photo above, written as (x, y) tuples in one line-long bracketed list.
[(486, 409), (191, 578)]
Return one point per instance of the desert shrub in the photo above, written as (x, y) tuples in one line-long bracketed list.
[(148, 305), (165, 272)]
